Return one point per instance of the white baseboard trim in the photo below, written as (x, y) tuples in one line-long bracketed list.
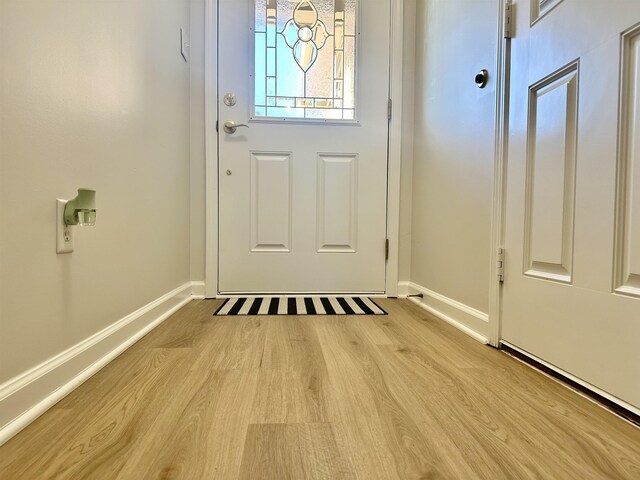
[(24, 398), (466, 319), (197, 290)]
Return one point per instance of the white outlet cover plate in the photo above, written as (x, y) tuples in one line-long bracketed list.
[(63, 245)]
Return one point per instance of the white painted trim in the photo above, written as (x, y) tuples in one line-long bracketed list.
[(466, 319), (197, 290), (579, 381), (499, 178), (211, 146), (403, 289), (395, 146), (27, 396)]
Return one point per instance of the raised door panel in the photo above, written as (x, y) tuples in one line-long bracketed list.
[(271, 207), (337, 210), (627, 256), (539, 8), (550, 182)]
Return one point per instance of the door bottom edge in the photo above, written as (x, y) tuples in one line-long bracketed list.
[(605, 400)]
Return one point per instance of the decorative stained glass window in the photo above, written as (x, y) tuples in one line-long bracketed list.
[(305, 58)]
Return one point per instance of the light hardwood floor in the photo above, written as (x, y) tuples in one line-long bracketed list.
[(403, 396)]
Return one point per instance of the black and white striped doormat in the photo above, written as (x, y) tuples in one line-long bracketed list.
[(300, 306)]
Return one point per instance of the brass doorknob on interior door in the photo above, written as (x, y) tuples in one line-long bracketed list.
[(230, 126)]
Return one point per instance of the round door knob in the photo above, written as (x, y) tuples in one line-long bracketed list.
[(229, 172), (482, 78)]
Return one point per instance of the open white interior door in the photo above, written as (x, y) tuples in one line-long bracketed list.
[(572, 284)]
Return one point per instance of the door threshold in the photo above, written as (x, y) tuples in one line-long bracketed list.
[(302, 294)]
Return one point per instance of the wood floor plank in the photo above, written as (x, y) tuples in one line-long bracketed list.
[(292, 345), (292, 382), (293, 452), (368, 330), (39, 436), (403, 396), (576, 435), (408, 324), (484, 440), (407, 452), (232, 343), (202, 434), (186, 329), (96, 444), (510, 424), (550, 395), (289, 397)]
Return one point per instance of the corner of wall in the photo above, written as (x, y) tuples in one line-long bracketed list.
[(197, 141), (406, 169)]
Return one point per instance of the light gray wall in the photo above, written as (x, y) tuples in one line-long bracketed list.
[(198, 200), (408, 112), (454, 148), (92, 94)]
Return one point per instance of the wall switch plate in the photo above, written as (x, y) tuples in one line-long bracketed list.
[(64, 233)]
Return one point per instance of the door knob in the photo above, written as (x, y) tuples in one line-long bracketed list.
[(230, 126)]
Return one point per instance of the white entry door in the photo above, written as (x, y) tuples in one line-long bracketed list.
[(303, 187), (572, 284)]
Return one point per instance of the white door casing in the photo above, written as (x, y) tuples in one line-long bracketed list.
[(571, 295), (302, 206)]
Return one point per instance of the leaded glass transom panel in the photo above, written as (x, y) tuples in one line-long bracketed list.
[(305, 58)]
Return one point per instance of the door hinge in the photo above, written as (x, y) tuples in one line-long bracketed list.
[(500, 265), (508, 18), (386, 249), (217, 122), (389, 109)]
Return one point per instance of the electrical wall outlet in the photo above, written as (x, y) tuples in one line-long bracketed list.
[(64, 233)]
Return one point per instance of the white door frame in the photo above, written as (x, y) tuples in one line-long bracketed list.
[(212, 150), (499, 177)]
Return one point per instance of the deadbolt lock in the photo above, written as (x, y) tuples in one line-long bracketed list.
[(230, 99)]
